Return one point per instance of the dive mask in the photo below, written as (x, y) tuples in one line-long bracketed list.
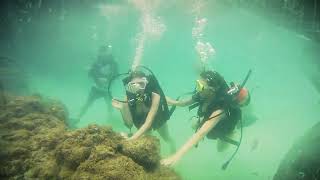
[(199, 86), (137, 85)]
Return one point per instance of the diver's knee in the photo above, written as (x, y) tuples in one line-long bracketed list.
[(221, 146)]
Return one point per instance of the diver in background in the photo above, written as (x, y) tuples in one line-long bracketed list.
[(218, 112), (145, 106), (101, 72)]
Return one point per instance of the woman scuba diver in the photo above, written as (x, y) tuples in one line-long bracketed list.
[(218, 112), (145, 106)]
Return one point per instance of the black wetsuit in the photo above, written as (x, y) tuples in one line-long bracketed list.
[(221, 101), (102, 70), (139, 118)]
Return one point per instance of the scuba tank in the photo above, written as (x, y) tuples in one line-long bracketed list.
[(234, 93), (239, 95)]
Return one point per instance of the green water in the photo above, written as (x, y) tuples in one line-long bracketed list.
[(58, 54)]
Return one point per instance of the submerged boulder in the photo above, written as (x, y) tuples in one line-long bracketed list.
[(302, 162), (36, 144), (144, 151), (116, 167)]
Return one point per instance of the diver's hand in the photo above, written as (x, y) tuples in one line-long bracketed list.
[(116, 104), (124, 135), (132, 138), (170, 161)]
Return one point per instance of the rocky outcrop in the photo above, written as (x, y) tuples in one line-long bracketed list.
[(35, 144), (302, 162)]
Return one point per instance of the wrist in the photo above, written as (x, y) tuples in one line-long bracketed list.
[(177, 155), (135, 136)]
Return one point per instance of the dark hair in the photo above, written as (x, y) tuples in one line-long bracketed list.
[(133, 74), (214, 79), (137, 74)]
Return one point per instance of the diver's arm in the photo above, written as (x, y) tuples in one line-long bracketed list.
[(181, 103), (125, 112), (204, 129), (150, 117)]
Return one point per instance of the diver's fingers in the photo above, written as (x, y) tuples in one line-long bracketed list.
[(167, 162), (116, 104), (124, 135), (164, 162)]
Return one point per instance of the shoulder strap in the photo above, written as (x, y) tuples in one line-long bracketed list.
[(154, 86)]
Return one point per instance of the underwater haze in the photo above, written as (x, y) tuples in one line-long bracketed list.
[(57, 50)]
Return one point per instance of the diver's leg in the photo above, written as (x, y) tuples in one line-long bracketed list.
[(91, 98), (164, 133), (125, 112), (223, 145)]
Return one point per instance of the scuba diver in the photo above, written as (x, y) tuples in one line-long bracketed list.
[(101, 72), (218, 112), (145, 106)]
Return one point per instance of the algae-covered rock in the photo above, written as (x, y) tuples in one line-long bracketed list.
[(19, 106), (28, 137), (302, 162), (144, 151), (117, 167), (35, 144), (163, 173), (42, 164), (77, 145)]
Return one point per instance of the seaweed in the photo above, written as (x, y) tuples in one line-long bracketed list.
[(36, 144)]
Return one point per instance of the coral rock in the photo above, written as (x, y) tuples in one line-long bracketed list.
[(35, 144), (144, 151)]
